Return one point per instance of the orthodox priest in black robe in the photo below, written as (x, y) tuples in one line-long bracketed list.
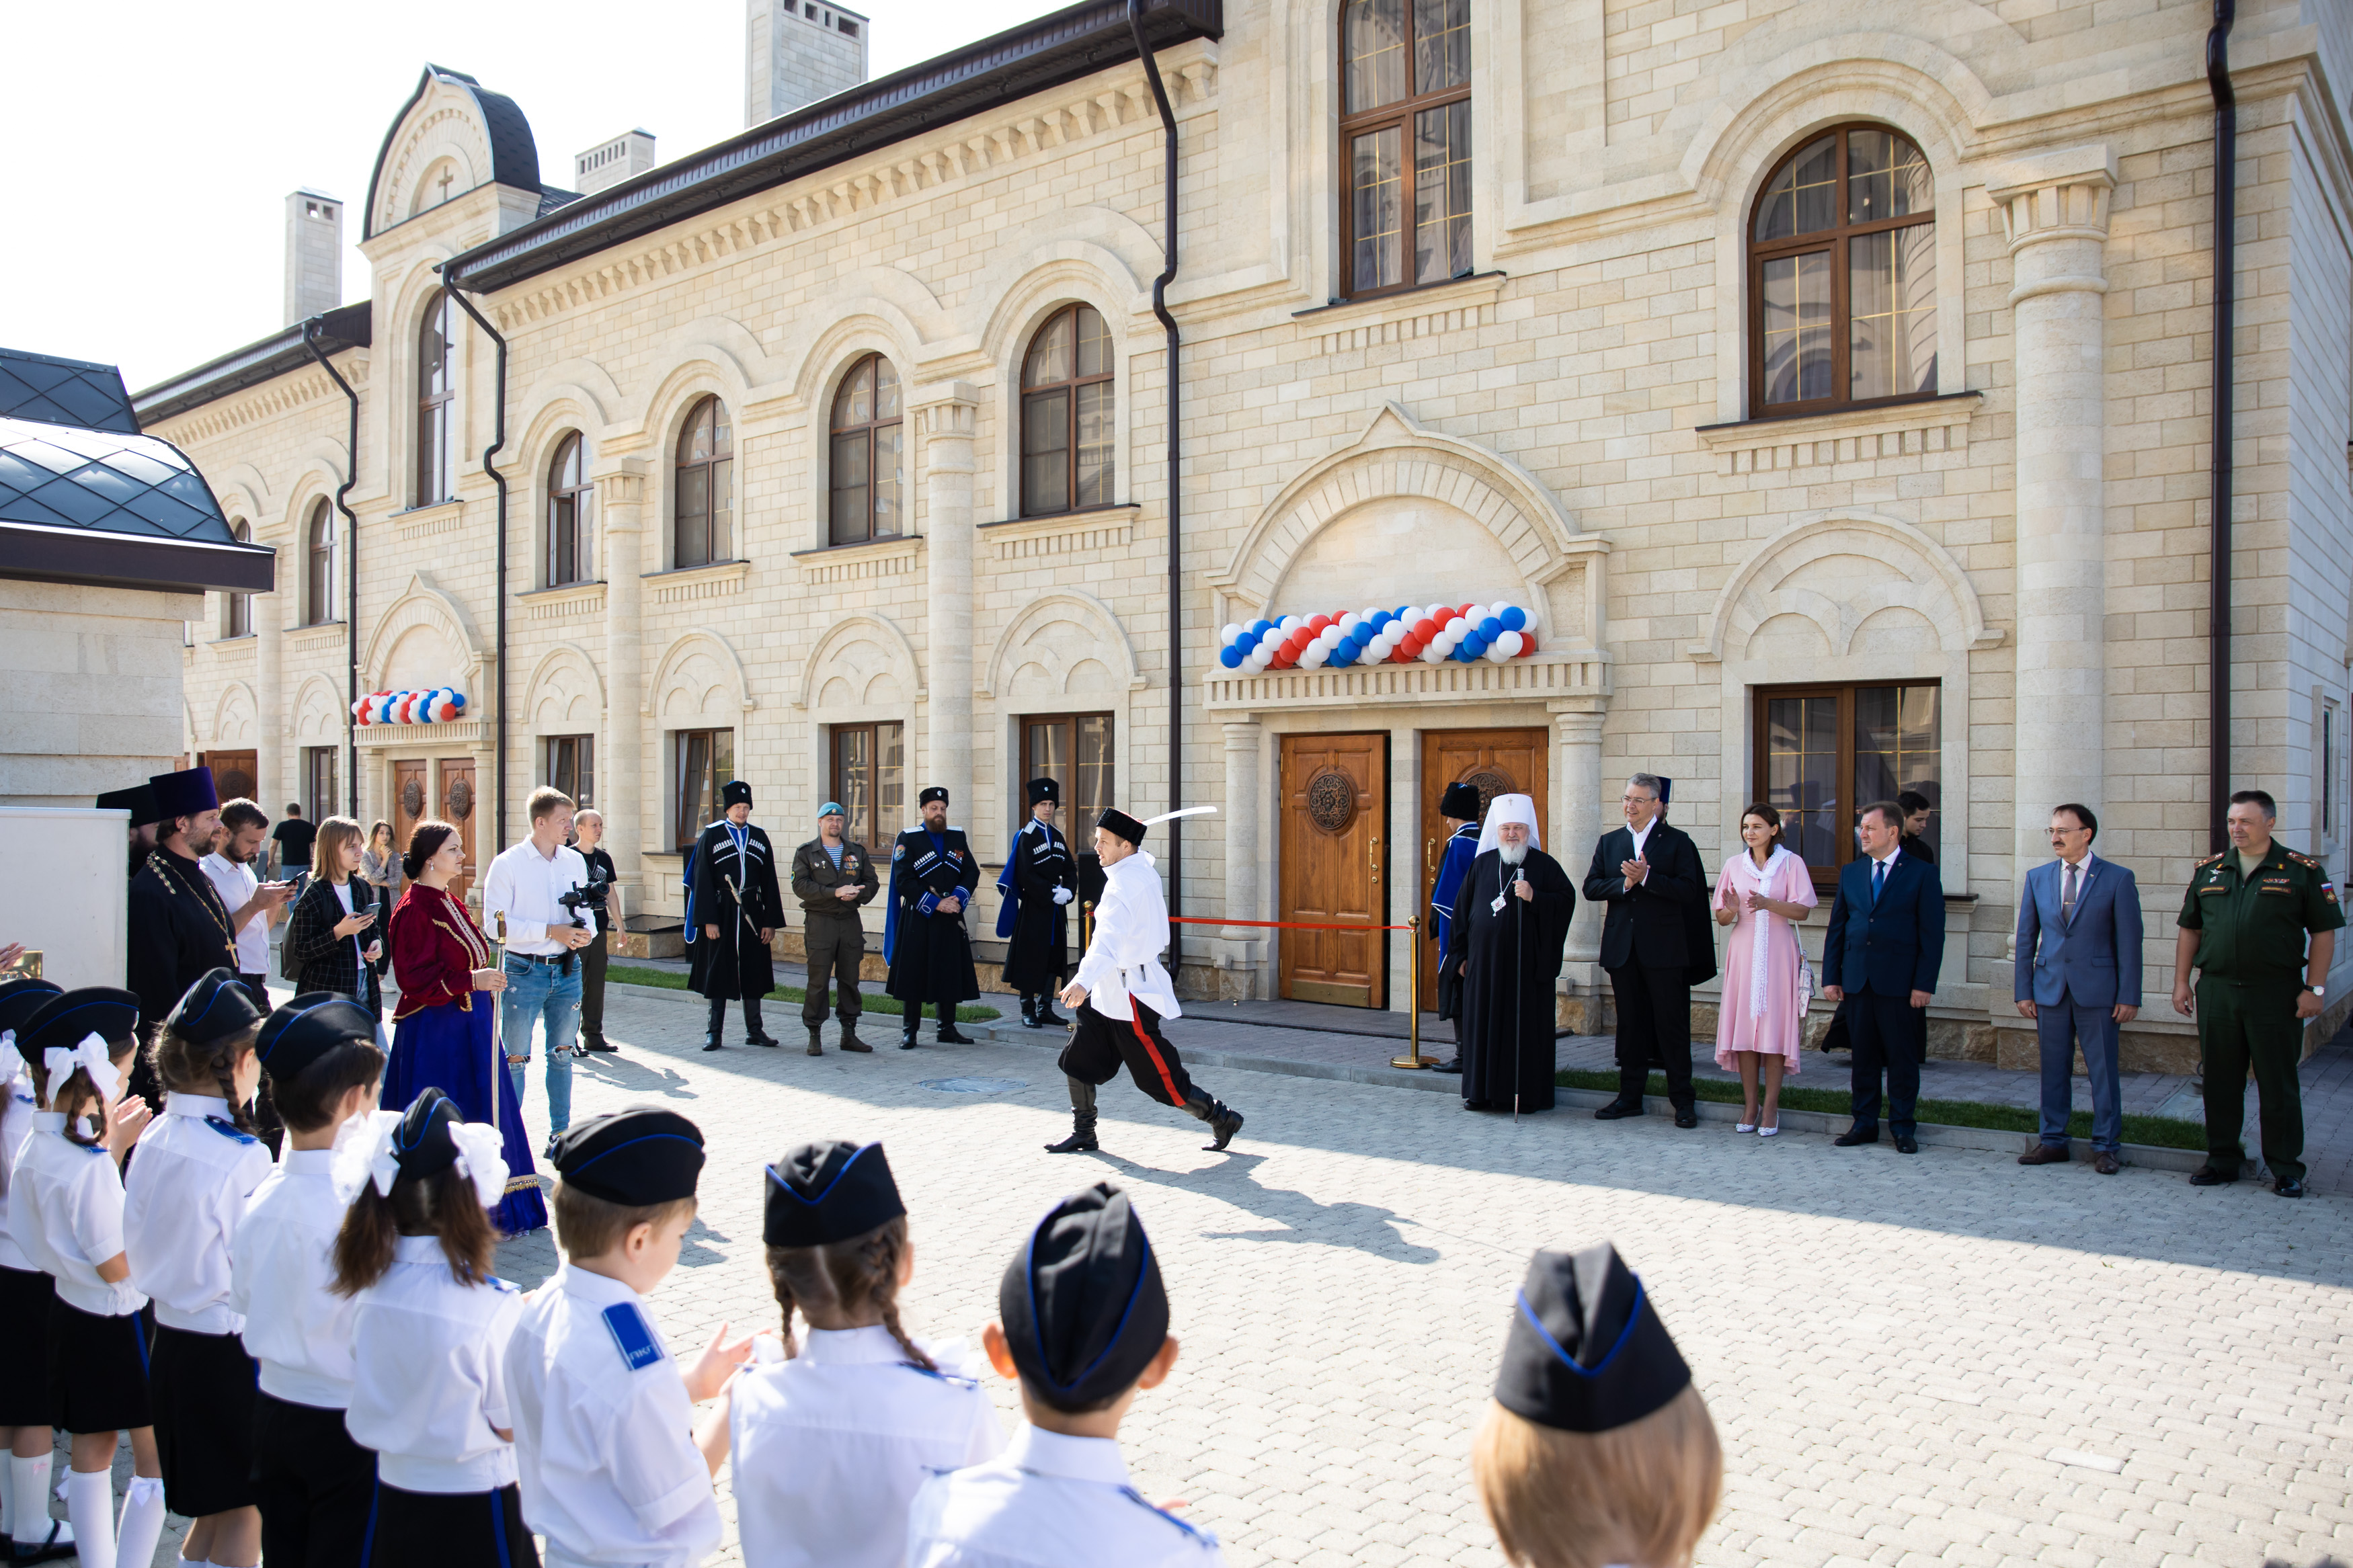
[(1511, 919), (732, 909), (179, 930), (933, 874)]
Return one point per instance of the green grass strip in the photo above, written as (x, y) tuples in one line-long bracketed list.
[(2161, 1132), (672, 980)]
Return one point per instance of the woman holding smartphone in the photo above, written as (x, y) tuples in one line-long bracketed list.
[(334, 939)]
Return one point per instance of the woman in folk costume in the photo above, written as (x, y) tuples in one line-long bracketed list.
[(733, 909), (441, 1030), (1761, 893), (1121, 994)]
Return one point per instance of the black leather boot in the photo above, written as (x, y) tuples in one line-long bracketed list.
[(752, 1030), (1028, 1011), (1046, 1017), (718, 1021), (911, 1020), (1224, 1120), (1082, 1123), (947, 1033), (817, 1041), (849, 1041)]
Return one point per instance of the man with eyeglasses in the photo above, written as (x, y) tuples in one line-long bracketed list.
[(1655, 945), (2077, 976)]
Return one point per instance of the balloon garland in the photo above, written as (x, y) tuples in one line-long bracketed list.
[(437, 706), (1434, 634)]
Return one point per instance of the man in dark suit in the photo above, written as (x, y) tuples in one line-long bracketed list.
[(2077, 976), (1654, 944), (1885, 943)]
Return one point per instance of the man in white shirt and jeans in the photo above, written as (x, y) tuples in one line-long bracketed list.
[(253, 905), (523, 891)]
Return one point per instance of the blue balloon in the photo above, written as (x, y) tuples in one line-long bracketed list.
[(1231, 657), (1247, 642), (1472, 646), (1345, 653), (1489, 629), (1362, 635), (1514, 619), (1261, 626)]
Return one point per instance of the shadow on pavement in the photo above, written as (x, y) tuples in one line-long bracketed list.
[(1363, 1228)]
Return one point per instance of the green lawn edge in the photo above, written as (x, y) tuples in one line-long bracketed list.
[(671, 980), (2158, 1131)]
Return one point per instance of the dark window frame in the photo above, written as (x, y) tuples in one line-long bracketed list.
[(1834, 240), (1080, 805), (865, 824), (1068, 391), (861, 437), (571, 509), (568, 763), (718, 478), (437, 394), (320, 544), (320, 785), (718, 765), (237, 617), (1397, 114), (1844, 813)]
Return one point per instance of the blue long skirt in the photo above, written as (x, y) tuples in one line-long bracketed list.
[(449, 1047)]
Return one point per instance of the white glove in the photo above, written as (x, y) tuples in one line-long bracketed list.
[(1063, 895)]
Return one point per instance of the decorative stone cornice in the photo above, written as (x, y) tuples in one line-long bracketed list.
[(892, 557), (1576, 672), (571, 601), (281, 394), (1845, 435), (719, 580), (1064, 533)]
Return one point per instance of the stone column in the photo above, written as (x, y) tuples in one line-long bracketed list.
[(1239, 947), (621, 771), (1577, 817), (271, 723), (2055, 209), (948, 417)]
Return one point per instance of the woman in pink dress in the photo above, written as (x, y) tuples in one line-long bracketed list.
[(1761, 893)]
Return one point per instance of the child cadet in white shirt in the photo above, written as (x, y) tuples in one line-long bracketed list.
[(311, 1482), (77, 1048), (184, 1199), (1083, 1325), (27, 1534), (831, 1444), (615, 1471), (429, 1391)]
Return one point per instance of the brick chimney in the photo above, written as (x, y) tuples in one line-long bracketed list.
[(796, 52), (314, 254), (624, 157)]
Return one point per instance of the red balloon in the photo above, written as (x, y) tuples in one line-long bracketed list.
[(1423, 630), (1527, 644), (1319, 623)]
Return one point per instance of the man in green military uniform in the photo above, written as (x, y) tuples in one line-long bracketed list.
[(2243, 927), (833, 877)]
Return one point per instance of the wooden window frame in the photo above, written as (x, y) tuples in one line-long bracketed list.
[(866, 432), (723, 453), (834, 781), (1070, 388), (715, 773), (569, 506), (1835, 239), (237, 614), (435, 402), (321, 545), (1074, 807), (319, 804), (1398, 112), (575, 775), (1845, 813)]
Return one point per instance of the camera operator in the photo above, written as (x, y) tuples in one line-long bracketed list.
[(538, 887), (590, 826)]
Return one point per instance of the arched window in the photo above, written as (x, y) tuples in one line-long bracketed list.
[(322, 551), (703, 520), (571, 499), (1842, 276), (1405, 140), (237, 620), (1066, 415), (868, 468), (436, 398)]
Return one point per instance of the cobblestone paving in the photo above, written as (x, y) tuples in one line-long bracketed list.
[(1911, 1360)]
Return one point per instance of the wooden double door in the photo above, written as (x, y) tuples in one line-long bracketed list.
[(443, 787), (1493, 762), (1335, 869), (233, 774)]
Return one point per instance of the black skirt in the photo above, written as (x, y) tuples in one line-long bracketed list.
[(449, 1530), (202, 1388), (313, 1484), (25, 1297), (98, 1370)]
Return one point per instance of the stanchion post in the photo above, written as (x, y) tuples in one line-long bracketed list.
[(1086, 924), (1415, 1060)]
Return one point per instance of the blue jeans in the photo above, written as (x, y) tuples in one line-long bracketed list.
[(2058, 1030), (539, 994)]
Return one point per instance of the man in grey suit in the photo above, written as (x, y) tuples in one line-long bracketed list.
[(2078, 976)]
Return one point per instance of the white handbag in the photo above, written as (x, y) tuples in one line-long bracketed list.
[(1805, 986)]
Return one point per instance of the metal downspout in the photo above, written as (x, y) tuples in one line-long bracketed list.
[(351, 573), (2218, 609), (499, 438), (1175, 548)]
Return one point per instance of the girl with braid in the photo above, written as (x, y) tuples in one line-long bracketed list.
[(831, 1442), (183, 1198)]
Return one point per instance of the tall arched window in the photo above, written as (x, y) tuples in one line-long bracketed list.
[(1066, 415), (321, 551), (571, 499), (869, 454), (436, 399), (702, 522), (237, 619), (1842, 276), (1405, 140)]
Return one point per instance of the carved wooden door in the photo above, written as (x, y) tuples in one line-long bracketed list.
[(1335, 867), (412, 798), (1496, 762), (233, 774), (457, 806)]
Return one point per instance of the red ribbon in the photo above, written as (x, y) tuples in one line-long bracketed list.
[(1286, 925)]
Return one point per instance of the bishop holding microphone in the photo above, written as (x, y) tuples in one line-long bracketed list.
[(1510, 930)]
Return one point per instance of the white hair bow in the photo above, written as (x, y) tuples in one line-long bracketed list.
[(481, 1155), (59, 1062), (364, 1154), (12, 1061)]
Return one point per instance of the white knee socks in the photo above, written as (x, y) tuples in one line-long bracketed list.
[(143, 1522), (27, 1492), (89, 1503)]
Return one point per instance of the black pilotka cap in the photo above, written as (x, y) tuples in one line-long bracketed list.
[(109, 1013), (301, 1031), (139, 800), (734, 792), (1082, 1305), (1042, 790), (824, 1193), (636, 1158), (1586, 1352), (1460, 802), (424, 1142), (1118, 822), (216, 1006), (23, 997), (933, 794)]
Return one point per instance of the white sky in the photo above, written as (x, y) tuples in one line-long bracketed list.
[(152, 145)]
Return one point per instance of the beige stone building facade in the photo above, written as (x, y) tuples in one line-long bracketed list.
[(1829, 383)]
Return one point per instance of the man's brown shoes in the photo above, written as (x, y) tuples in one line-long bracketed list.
[(2044, 1154), (2107, 1164)]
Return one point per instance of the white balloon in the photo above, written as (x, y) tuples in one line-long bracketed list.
[(1457, 627), (1349, 622), (1229, 632), (1330, 636), (1433, 652), (1290, 624), (1495, 654), (1476, 614)]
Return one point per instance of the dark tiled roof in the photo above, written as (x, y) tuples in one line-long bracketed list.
[(104, 505), (514, 155), (344, 327), (64, 392)]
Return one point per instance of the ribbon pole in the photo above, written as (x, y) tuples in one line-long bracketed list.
[(1414, 1061)]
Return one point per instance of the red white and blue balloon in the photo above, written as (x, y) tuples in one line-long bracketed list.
[(1434, 634), (438, 705)]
